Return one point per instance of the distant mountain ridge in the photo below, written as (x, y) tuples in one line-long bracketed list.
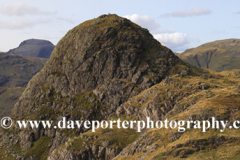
[(221, 55), (34, 48)]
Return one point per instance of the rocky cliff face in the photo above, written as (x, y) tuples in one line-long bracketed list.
[(34, 48), (108, 60)]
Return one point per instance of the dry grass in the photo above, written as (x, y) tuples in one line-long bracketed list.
[(221, 99)]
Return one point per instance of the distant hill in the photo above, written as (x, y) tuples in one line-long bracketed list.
[(16, 71), (34, 48), (221, 55)]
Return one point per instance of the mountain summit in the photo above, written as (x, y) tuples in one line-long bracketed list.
[(34, 48), (109, 57)]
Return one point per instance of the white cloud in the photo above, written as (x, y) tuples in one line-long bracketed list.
[(187, 13), (21, 23), (19, 9), (175, 41), (144, 21)]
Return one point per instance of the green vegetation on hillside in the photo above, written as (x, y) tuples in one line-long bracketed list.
[(221, 55)]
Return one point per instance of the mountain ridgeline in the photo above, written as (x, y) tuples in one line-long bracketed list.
[(34, 48), (221, 55), (109, 68)]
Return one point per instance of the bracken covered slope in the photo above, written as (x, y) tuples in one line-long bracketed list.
[(221, 55), (187, 98)]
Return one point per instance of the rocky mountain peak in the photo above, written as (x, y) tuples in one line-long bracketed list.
[(109, 58)]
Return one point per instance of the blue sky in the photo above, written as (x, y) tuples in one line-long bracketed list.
[(178, 24)]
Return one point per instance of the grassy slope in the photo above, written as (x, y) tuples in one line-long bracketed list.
[(222, 100), (219, 55)]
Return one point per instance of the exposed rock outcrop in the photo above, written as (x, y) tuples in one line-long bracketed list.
[(110, 58), (93, 151)]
